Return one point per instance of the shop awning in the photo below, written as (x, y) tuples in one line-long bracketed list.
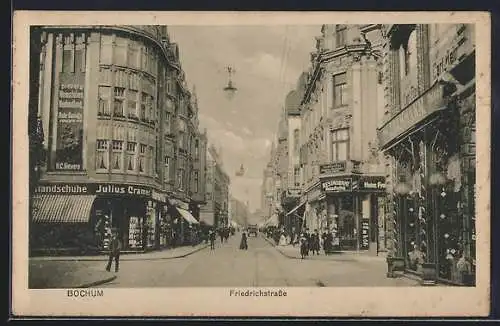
[(295, 209), (187, 216), (272, 221), (62, 208), (207, 218)]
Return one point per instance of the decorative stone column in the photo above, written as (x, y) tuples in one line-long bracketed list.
[(423, 62)]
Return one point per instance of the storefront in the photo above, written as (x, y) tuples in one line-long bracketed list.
[(84, 215), (185, 225), (433, 185), (351, 210)]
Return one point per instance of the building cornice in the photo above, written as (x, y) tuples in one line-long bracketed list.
[(137, 31)]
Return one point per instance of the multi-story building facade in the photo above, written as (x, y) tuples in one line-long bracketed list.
[(342, 177), (429, 138), (239, 211), (215, 211), (119, 122), (267, 191), (291, 195)]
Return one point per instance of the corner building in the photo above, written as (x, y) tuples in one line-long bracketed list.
[(121, 137), (343, 179)]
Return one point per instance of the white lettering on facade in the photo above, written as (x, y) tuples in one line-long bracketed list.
[(67, 166), (62, 189)]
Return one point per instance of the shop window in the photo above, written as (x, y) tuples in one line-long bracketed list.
[(340, 90), (131, 152), (104, 101), (340, 35), (116, 156), (102, 154), (132, 104), (340, 145)]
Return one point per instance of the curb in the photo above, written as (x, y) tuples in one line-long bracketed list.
[(123, 259), (280, 251), (97, 283)]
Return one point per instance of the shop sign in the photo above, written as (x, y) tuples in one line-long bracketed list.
[(122, 189), (369, 184), (63, 188), (337, 185), (70, 123), (430, 102), (332, 168), (158, 196), (365, 234)]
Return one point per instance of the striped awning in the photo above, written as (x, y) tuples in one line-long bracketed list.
[(187, 216), (62, 208)]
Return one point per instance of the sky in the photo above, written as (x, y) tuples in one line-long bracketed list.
[(267, 61)]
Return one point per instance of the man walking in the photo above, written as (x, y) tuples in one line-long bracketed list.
[(211, 236), (114, 252)]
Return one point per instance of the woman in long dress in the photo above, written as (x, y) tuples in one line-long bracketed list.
[(243, 243)]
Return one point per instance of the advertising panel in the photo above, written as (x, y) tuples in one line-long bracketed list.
[(70, 122)]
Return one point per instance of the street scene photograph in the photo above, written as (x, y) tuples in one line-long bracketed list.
[(328, 155)]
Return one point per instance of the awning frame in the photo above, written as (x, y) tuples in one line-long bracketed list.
[(187, 216)]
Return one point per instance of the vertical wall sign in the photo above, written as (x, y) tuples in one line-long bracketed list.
[(70, 122)]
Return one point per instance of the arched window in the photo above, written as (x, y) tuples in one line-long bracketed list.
[(408, 55)]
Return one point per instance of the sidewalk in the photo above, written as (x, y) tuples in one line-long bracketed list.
[(88, 271), (292, 252), (171, 253)]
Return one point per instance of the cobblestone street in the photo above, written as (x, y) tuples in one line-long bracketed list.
[(262, 265)]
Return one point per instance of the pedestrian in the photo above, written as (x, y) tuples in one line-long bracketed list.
[(315, 242), (243, 243), (221, 235), (114, 252), (211, 236), (303, 246)]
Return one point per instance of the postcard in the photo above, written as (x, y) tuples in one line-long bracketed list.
[(251, 164)]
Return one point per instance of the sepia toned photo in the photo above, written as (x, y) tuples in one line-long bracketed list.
[(199, 158)]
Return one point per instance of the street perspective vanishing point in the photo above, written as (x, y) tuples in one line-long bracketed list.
[(252, 156)]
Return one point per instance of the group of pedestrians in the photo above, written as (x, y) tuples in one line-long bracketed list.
[(312, 242), (224, 233)]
